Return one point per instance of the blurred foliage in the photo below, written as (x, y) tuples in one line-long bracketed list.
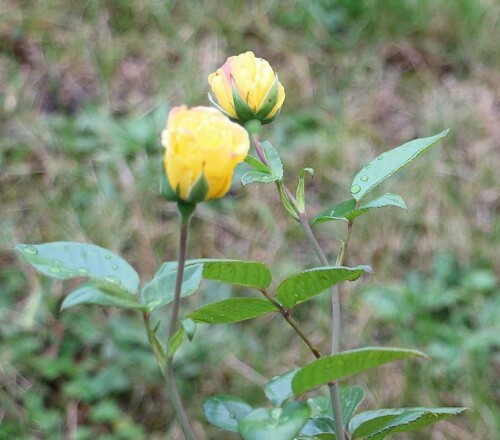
[(86, 87)]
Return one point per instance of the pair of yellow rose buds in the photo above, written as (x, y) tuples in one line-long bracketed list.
[(203, 145)]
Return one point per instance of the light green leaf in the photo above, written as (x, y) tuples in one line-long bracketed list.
[(273, 160), (101, 294), (160, 290), (257, 165), (277, 423), (175, 342), (347, 363), (65, 260), (257, 176), (232, 310), (347, 211), (350, 399), (389, 163), (225, 412), (240, 273), (318, 425), (299, 194), (304, 285), (279, 388), (189, 327), (378, 424)]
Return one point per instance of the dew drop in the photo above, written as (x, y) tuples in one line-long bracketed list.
[(380, 157), (57, 262), (364, 178), (232, 416), (66, 247), (368, 166), (83, 254), (55, 269), (115, 266), (113, 279), (355, 189), (30, 250), (108, 257), (83, 271)]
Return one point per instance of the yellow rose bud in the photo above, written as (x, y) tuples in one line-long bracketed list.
[(202, 148), (246, 88)]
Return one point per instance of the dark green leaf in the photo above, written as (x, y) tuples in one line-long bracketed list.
[(225, 412), (240, 273), (376, 425), (277, 423), (101, 294), (389, 163), (160, 290), (347, 210), (304, 285), (232, 310), (347, 363), (65, 260), (279, 388)]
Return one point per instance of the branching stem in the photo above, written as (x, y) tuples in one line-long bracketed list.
[(286, 314), (335, 292)]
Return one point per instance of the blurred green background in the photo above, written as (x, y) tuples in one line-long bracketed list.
[(85, 89)]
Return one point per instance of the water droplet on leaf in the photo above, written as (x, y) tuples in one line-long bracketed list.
[(355, 189), (30, 250), (108, 257), (380, 157), (364, 178), (55, 270), (83, 271), (66, 247), (113, 279), (232, 416), (115, 266), (368, 166)]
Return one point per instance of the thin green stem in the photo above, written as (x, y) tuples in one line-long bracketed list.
[(286, 314), (335, 292), (174, 324)]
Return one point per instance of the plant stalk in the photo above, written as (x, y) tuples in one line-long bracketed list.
[(335, 293), (174, 324)]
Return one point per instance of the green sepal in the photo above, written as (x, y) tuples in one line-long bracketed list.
[(270, 100), (199, 190), (269, 120), (166, 189), (213, 102), (243, 111)]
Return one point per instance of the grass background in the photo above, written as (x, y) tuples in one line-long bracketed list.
[(86, 87)]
